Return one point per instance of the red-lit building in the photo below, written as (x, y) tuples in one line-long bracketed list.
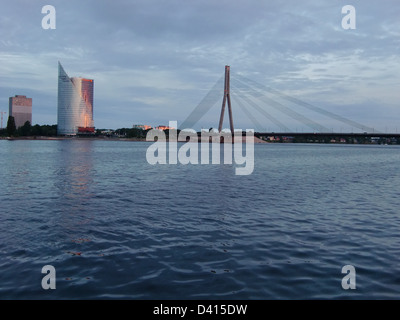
[(163, 128), (141, 126), (75, 104)]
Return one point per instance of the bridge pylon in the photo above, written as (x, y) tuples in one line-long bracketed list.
[(226, 99)]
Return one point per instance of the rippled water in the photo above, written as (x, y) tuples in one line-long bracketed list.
[(114, 226)]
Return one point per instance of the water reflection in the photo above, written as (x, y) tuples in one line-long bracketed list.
[(18, 171), (73, 183)]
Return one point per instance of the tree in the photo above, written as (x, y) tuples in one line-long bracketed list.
[(48, 130), (36, 130), (26, 129), (11, 128)]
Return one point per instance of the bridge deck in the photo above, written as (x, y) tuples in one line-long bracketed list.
[(329, 134)]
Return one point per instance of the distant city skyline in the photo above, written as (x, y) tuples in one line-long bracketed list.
[(154, 61)]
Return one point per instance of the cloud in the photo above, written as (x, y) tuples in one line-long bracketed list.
[(154, 60)]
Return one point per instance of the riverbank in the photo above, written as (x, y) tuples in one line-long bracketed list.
[(72, 138), (256, 140)]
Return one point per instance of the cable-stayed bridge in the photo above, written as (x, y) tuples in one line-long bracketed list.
[(265, 106)]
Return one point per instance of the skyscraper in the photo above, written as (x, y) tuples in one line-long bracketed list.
[(75, 104), (20, 107)]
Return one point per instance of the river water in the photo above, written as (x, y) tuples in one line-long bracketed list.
[(115, 227)]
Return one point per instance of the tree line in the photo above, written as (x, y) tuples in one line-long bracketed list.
[(27, 129), (131, 132)]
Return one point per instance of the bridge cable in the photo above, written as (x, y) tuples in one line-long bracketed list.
[(280, 107), (309, 106), (260, 110), (204, 106), (239, 102)]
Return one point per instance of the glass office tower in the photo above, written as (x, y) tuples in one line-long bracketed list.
[(75, 104)]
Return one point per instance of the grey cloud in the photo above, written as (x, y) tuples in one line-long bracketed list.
[(297, 46)]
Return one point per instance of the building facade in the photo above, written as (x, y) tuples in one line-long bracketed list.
[(164, 128), (75, 104), (141, 126), (20, 107)]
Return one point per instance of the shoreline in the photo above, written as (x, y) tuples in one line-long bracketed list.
[(256, 140), (43, 138), (70, 138)]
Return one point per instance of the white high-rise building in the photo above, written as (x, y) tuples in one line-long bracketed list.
[(75, 104)]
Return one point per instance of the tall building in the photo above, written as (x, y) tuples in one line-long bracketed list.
[(75, 104), (20, 107)]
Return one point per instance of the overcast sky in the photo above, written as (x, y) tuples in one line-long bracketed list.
[(154, 60)]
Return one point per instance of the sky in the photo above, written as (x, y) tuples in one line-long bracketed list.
[(153, 61)]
